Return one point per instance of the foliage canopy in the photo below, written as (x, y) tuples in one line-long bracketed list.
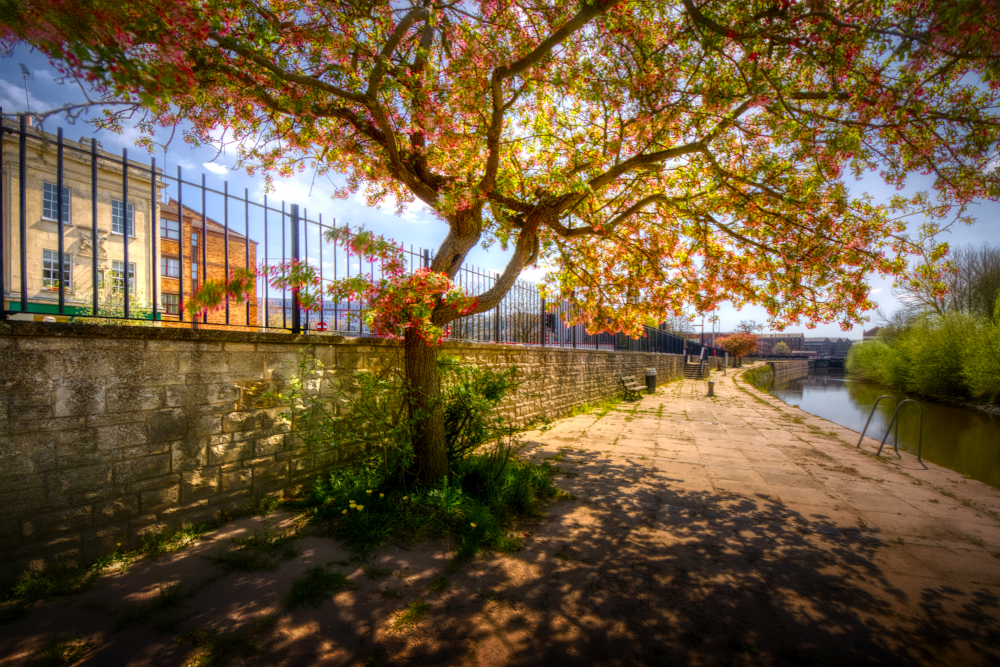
[(686, 152)]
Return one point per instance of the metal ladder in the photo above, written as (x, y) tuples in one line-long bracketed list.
[(893, 421)]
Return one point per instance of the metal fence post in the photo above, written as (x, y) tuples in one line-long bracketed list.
[(296, 326), (543, 323)]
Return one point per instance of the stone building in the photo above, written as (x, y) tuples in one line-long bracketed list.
[(117, 223), (194, 251)]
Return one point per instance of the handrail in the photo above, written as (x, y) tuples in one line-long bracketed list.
[(872, 414), (920, 432)]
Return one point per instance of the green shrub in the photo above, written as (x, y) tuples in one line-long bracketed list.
[(951, 355), (981, 359), (374, 499)]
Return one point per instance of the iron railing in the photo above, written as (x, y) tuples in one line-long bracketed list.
[(192, 232)]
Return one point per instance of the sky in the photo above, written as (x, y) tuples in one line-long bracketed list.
[(417, 226)]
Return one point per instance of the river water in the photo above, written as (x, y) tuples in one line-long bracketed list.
[(963, 439)]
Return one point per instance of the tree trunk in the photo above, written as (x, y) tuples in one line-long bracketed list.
[(425, 408)]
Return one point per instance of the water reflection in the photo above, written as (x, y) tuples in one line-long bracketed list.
[(959, 438)]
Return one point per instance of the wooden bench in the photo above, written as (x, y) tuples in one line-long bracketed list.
[(632, 386)]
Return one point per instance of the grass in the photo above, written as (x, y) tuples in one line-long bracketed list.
[(439, 585), (62, 578), (473, 508), (392, 594), (61, 651), (498, 598), (170, 596), (411, 615), (377, 573), (316, 586), (258, 552), (216, 649)]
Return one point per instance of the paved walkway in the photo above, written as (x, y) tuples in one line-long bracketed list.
[(728, 531)]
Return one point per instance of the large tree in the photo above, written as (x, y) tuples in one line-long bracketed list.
[(659, 154)]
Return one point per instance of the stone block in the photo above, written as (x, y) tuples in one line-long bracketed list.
[(144, 527), (83, 452), (115, 418), (159, 499), (280, 366), (160, 482), (27, 455), (102, 541), (239, 347), (199, 484), (81, 479), (128, 397), (246, 421), (37, 425), (188, 454), (167, 425), (269, 445), (202, 362), (269, 475), (119, 509), (186, 394), (121, 435), (57, 521), (134, 470), (249, 364), (229, 452)]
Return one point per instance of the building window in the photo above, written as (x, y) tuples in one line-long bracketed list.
[(50, 269), (118, 217), (171, 303), (194, 272), (118, 277), (170, 229), (50, 202), (170, 267)]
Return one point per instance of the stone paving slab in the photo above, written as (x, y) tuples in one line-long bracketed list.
[(733, 530)]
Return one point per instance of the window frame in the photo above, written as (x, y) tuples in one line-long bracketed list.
[(163, 227), (67, 201), (115, 277), (129, 224), (172, 307), (165, 262), (67, 270)]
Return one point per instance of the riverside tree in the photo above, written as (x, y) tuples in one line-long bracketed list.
[(655, 154), (739, 344)]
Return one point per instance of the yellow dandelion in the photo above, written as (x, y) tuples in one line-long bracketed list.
[(381, 495), (368, 491), (360, 507), (344, 512), (473, 525), (406, 497)]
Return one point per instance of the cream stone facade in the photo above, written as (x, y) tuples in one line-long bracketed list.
[(79, 246)]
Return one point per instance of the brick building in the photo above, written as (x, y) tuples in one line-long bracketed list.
[(203, 258), (794, 341), (97, 223)]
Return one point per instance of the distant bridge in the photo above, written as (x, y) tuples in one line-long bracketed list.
[(833, 362)]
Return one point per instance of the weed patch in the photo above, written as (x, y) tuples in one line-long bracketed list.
[(261, 551), (414, 611), (316, 586), (217, 649)]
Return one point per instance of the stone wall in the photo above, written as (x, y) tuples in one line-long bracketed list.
[(790, 370), (112, 433)]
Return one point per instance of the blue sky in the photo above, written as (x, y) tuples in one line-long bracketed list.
[(417, 225)]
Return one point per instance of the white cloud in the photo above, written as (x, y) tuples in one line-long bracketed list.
[(12, 97), (876, 291), (413, 212), (215, 168)]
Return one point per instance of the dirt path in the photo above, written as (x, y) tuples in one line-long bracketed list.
[(734, 530)]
